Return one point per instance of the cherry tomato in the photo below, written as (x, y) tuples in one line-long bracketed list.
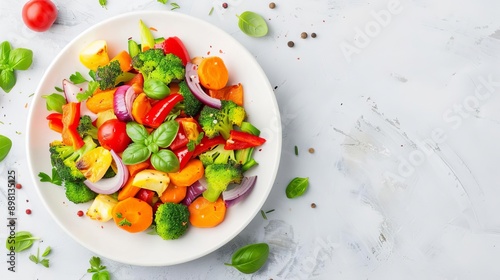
[(39, 15), (112, 135)]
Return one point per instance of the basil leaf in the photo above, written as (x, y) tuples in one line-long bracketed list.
[(22, 241), (155, 89), (135, 153), (4, 54), (165, 134), (54, 102), (136, 132), (297, 187), (165, 160), (20, 58), (250, 258), (7, 79), (5, 146), (252, 24)]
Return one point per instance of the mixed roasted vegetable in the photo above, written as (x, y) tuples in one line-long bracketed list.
[(153, 138)]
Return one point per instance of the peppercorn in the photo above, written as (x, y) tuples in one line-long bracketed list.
[(19, 186), (313, 35), (311, 150), (291, 44), (313, 205), (272, 5), (79, 213), (28, 211), (224, 5), (303, 35)]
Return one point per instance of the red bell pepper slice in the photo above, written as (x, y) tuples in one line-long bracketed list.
[(156, 116), (55, 122), (184, 155), (175, 46), (181, 139), (70, 120), (207, 143), (146, 196), (241, 140)]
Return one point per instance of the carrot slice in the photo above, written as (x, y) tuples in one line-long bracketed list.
[(205, 214), (233, 93), (213, 73), (125, 60), (133, 215), (173, 194), (192, 172)]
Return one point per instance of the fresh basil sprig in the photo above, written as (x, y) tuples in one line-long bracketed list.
[(22, 240), (297, 187), (252, 24), (250, 258), (5, 146), (152, 145), (10, 61)]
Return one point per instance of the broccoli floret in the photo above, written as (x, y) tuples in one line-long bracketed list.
[(192, 105), (106, 76), (85, 127), (155, 64), (78, 192), (217, 155), (171, 220), (221, 121), (219, 176), (64, 158)]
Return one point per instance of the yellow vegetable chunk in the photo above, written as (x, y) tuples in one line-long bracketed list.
[(101, 208), (95, 163), (152, 179), (95, 54)]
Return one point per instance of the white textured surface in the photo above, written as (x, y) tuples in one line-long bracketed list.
[(405, 125)]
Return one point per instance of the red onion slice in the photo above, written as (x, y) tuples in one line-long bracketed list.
[(70, 92), (111, 185), (239, 192), (122, 102), (193, 191), (193, 82)]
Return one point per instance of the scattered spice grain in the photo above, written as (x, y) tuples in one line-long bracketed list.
[(311, 150), (313, 35), (272, 5), (291, 44), (313, 205), (303, 35)]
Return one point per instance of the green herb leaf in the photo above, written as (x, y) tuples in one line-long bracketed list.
[(250, 258), (124, 222), (54, 102), (135, 153), (54, 180), (47, 251), (163, 1), (155, 89), (137, 132), (175, 6), (7, 80), (5, 146), (91, 88), (22, 240), (20, 58), (252, 24), (33, 258), (297, 187), (165, 134), (77, 78), (165, 160), (99, 271), (5, 49), (45, 262), (103, 3)]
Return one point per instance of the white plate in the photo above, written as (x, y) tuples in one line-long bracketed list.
[(201, 39)]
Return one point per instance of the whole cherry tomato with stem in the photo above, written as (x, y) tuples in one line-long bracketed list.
[(39, 15)]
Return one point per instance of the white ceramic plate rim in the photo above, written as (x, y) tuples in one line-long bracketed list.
[(201, 39)]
